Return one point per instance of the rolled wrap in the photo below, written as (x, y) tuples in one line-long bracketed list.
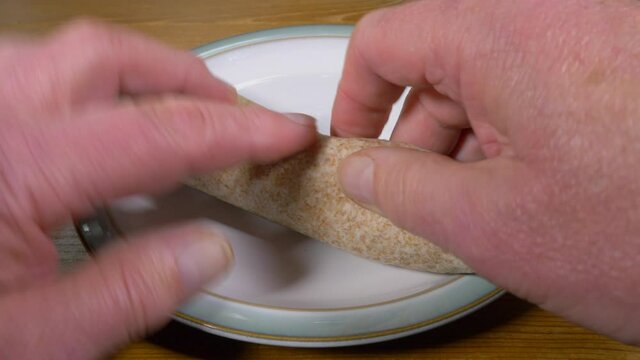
[(302, 193)]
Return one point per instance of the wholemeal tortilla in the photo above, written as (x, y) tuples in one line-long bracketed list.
[(303, 193)]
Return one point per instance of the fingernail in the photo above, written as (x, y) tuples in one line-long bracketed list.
[(301, 119), (356, 178), (204, 259)]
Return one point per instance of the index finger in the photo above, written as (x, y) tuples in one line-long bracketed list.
[(65, 168), (391, 49)]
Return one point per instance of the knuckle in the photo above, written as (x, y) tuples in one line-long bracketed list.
[(250, 117), (363, 34), (132, 303), (255, 123), (24, 182), (372, 20), (374, 33), (99, 41), (134, 294), (185, 126), (87, 29), (396, 189)]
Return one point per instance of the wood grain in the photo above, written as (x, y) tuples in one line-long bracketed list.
[(185, 24), (507, 329)]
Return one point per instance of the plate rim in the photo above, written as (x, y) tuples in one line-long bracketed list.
[(261, 36), (109, 230), (279, 33)]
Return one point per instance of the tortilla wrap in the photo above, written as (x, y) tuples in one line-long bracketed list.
[(303, 193)]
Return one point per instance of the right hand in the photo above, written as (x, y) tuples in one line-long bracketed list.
[(548, 203)]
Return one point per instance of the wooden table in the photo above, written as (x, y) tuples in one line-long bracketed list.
[(508, 328)]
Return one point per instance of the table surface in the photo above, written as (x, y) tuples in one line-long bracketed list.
[(508, 328)]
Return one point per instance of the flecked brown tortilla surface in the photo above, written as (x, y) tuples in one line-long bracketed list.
[(303, 193)]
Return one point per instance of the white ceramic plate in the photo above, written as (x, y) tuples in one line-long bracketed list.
[(286, 289)]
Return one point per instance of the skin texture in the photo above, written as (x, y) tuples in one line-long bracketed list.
[(89, 114), (545, 201)]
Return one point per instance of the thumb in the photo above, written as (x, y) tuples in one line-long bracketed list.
[(127, 291), (433, 196)]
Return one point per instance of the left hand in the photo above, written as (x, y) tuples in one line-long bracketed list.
[(69, 142)]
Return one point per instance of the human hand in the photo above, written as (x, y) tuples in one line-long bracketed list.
[(69, 142), (546, 202)]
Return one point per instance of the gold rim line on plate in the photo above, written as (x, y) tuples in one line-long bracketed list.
[(491, 295), (345, 308), (122, 234)]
